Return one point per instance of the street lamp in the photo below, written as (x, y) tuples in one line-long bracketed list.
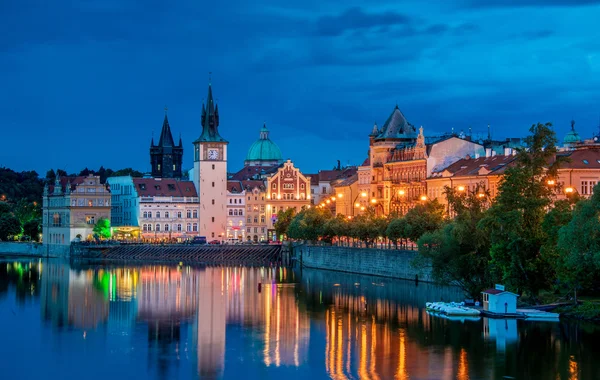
[(423, 198), (461, 188), (569, 190), (373, 200), (551, 182)]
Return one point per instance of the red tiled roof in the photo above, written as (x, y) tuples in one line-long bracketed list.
[(164, 187), (493, 291), (234, 187), (471, 166), (579, 157), (251, 184), (346, 181), (330, 175)]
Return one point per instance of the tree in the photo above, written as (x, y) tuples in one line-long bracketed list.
[(515, 220), (579, 245), (9, 226), (308, 224), (396, 230), (425, 217), (284, 218), (459, 253), (102, 228), (31, 228)]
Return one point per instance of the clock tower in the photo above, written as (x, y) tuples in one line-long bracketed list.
[(210, 172)]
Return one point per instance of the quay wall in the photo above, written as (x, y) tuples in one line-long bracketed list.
[(368, 261), (34, 249)]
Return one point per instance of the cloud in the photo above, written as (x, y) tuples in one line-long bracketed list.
[(356, 18), (529, 3)]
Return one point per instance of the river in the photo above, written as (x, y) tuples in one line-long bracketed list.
[(65, 321)]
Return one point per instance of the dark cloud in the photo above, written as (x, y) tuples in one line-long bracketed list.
[(356, 18)]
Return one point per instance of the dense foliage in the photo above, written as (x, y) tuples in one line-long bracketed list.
[(102, 228)]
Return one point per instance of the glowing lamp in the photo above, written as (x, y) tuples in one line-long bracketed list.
[(423, 197), (373, 200), (401, 192), (461, 188)]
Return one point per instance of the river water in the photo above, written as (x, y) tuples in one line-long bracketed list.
[(68, 321)]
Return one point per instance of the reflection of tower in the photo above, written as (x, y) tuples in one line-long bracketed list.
[(55, 293), (211, 323)]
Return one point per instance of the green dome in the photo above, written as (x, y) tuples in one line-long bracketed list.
[(572, 137), (264, 149)]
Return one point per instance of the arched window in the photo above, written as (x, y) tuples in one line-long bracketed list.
[(158, 214), (179, 214), (189, 227), (157, 227), (166, 228), (149, 227), (195, 213), (241, 212), (235, 212), (179, 227), (195, 227), (166, 214), (188, 213), (230, 212), (145, 227)]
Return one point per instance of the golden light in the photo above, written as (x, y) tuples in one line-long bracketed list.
[(551, 182), (363, 194), (340, 195), (362, 208), (423, 197), (569, 190), (322, 204), (333, 199), (349, 217), (481, 195), (373, 200), (328, 201), (357, 204), (461, 188), (401, 192)]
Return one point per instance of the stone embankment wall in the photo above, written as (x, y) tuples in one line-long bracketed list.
[(370, 261), (34, 249)]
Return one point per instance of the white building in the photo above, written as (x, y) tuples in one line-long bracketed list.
[(154, 208), (236, 206), (72, 207), (499, 301)]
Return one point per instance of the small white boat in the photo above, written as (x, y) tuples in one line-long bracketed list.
[(452, 308), (538, 315)]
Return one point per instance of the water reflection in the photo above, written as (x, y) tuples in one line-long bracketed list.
[(166, 322)]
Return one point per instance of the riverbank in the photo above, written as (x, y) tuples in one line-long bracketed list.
[(391, 263), (584, 311), (33, 249)]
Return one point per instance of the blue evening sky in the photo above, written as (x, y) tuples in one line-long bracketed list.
[(84, 83)]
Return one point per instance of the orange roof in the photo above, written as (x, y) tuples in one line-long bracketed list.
[(468, 167)]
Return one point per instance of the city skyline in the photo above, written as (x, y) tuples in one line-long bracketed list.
[(90, 79)]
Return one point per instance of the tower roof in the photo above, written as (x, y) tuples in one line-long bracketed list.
[(572, 137), (396, 127), (264, 149), (210, 120), (166, 138)]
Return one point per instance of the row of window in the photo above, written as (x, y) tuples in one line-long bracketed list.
[(287, 196), (235, 201), (236, 212), (587, 187), (287, 186), (262, 219), (167, 214), (255, 208), (190, 227), (248, 230)]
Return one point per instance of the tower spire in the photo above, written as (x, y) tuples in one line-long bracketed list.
[(166, 138), (210, 119)]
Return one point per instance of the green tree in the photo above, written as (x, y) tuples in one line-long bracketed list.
[(579, 245), (515, 220), (425, 217), (309, 224), (459, 253), (396, 230), (102, 228), (284, 218), (9, 226), (32, 228)]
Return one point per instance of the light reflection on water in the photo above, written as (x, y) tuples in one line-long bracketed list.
[(165, 322)]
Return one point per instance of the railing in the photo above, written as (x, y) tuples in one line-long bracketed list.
[(170, 200)]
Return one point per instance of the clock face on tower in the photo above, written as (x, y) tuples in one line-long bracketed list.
[(213, 154)]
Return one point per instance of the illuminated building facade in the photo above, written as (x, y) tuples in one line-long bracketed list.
[(72, 207), (236, 211), (256, 213)]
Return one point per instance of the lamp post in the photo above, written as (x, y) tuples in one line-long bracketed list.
[(356, 204)]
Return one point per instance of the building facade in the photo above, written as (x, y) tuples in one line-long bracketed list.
[(236, 212), (256, 210), (166, 158), (72, 207), (210, 173)]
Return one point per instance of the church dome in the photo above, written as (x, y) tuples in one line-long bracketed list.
[(264, 151), (572, 137)]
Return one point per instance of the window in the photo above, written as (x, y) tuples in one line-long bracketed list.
[(171, 186), (195, 227), (241, 211), (255, 220), (158, 166), (145, 214), (179, 227), (145, 227), (195, 213), (249, 220), (255, 229), (166, 214), (288, 186), (324, 190), (174, 167), (213, 219), (302, 186), (212, 234), (213, 166), (188, 227), (189, 213), (274, 186), (230, 201), (248, 230), (248, 198), (166, 228), (197, 153), (56, 220), (235, 212), (157, 227), (88, 219), (263, 230), (231, 212), (262, 219), (213, 184), (158, 214), (179, 214), (213, 201), (149, 227)]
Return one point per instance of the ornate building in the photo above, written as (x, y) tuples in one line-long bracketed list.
[(263, 152), (236, 204), (256, 218), (166, 158), (72, 207), (210, 172)]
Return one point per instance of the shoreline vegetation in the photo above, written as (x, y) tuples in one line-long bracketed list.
[(523, 237)]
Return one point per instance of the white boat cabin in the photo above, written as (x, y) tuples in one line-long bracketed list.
[(498, 300)]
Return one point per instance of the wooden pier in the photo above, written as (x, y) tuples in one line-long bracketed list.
[(199, 254)]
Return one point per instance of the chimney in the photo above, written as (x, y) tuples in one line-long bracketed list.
[(507, 151), (476, 155), (488, 152), (493, 153)]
